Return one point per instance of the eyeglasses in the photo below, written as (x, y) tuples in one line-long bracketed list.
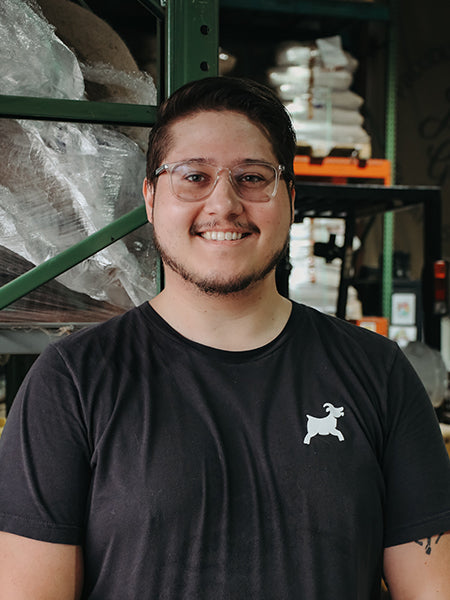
[(194, 180)]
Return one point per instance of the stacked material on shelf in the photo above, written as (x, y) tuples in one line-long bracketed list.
[(313, 80), (60, 182), (110, 71)]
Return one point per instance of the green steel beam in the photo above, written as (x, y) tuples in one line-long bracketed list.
[(327, 8), (22, 285), (192, 41), (80, 111), (391, 140)]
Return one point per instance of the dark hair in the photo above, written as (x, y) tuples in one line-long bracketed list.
[(257, 102)]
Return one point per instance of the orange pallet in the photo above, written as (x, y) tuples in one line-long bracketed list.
[(340, 170)]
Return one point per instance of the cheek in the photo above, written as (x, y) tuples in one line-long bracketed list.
[(276, 221), (172, 217)]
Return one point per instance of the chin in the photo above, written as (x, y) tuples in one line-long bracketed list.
[(214, 283), (220, 287)]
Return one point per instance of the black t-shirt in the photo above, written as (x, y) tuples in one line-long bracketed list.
[(188, 472)]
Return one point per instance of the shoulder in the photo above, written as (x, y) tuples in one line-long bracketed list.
[(343, 337), (107, 334), (344, 351), (98, 357), (109, 342)]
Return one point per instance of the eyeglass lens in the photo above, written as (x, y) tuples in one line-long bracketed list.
[(254, 182)]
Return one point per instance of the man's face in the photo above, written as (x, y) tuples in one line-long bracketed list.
[(193, 236)]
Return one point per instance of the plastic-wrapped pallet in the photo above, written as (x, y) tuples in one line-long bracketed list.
[(313, 80), (60, 182)]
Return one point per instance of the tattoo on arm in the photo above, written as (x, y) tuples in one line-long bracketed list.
[(427, 544)]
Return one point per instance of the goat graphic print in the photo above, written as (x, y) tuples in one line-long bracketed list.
[(324, 425)]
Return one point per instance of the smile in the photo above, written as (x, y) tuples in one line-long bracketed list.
[(221, 235)]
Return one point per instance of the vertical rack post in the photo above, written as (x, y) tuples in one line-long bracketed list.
[(391, 138), (192, 41)]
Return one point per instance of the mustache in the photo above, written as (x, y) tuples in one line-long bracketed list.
[(237, 225)]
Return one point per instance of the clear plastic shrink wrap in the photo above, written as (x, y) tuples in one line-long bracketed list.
[(313, 80), (60, 182)]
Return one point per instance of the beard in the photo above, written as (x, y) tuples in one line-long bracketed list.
[(214, 285)]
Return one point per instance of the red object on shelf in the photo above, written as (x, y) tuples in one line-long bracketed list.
[(441, 299)]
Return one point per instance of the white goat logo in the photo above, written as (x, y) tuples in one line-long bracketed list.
[(324, 425)]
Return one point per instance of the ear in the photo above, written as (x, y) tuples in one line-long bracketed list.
[(292, 204), (148, 191)]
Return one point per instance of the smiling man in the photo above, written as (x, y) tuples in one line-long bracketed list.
[(224, 229), (221, 442)]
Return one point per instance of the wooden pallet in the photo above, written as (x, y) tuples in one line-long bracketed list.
[(361, 151)]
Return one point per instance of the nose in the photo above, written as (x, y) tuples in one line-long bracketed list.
[(224, 200)]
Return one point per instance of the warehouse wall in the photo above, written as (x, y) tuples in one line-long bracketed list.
[(423, 142)]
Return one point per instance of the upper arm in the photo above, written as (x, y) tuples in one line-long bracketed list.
[(419, 570), (39, 570)]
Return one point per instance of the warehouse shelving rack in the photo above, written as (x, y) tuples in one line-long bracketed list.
[(188, 37), (352, 201)]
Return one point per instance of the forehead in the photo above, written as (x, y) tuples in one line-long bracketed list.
[(215, 134)]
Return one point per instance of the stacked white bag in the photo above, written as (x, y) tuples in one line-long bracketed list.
[(313, 80)]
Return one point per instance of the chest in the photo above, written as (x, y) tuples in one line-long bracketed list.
[(279, 441)]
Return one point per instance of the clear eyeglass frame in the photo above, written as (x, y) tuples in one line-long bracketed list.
[(190, 190)]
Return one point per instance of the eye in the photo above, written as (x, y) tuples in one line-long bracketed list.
[(192, 174), (196, 177), (254, 176), (250, 178)]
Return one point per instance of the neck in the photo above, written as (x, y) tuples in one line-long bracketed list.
[(240, 321)]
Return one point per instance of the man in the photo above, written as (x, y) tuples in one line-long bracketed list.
[(221, 442)]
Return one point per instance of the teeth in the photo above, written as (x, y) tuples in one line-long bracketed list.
[(221, 235)]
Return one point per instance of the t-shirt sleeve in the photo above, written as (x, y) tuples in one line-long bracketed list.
[(44, 456), (415, 463)]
